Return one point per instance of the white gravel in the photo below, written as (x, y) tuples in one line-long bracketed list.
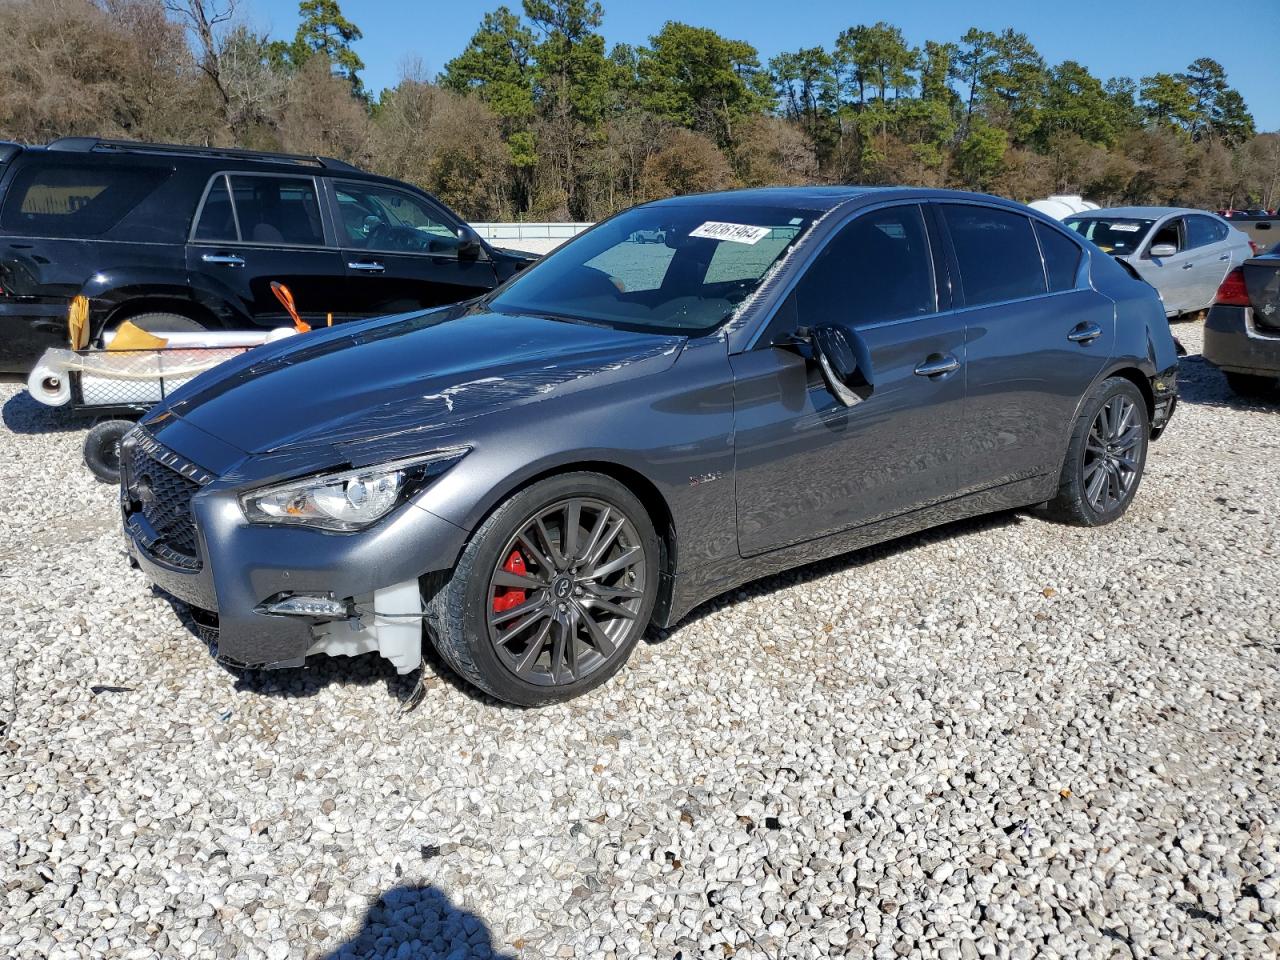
[(1006, 738)]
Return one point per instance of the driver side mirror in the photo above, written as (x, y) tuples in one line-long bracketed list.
[(1163, 250), (469, 243), (833, 349)]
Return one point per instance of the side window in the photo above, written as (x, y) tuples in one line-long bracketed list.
[(217, 220), (1061, 258), (997, 253), (277, 210), (380, 218), (76, 200), (1168, 233), (1201, 231), (878, 267)]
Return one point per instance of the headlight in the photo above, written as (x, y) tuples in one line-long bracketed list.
[(350, 500)]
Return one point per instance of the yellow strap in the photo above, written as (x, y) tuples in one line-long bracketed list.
[(78, 322), (129, 337)]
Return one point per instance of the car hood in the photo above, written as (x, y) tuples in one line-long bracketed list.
[(408, 374)]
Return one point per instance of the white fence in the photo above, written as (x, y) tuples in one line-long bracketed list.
[(534, 237)]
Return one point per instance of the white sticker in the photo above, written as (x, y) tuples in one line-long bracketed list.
[(736, 232), (1125, 227)]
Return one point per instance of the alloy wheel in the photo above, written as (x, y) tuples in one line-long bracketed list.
[(566, 591), (1113, 454)]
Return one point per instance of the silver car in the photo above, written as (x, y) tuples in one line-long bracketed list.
[(1183, 253)]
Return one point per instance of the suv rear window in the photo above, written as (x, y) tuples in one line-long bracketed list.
[(76, 200), (268, 209)]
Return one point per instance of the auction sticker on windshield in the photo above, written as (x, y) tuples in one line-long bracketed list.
[(736, 232)]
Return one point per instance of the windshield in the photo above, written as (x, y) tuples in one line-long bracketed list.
[(1113, 235), (666, 269)]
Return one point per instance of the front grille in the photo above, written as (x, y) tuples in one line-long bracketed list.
[(157, 489)]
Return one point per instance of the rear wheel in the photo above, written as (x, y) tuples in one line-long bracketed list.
[(1252, 385), (552, 593), (1105, 458)]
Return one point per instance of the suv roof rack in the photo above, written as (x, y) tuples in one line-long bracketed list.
[(94, 144)]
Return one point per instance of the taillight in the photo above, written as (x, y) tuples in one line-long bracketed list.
[(1233, 292)]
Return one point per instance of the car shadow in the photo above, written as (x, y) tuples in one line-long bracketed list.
[(418, 921), (842, 563), (1202, 384), (23, 415)]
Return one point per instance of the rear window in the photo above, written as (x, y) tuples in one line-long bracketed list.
[(76, 200), (267, 209), (997, 253)]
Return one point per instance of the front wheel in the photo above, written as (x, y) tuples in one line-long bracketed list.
[(552, 593), (1105, 458)]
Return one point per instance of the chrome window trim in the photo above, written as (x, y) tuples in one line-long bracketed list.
[(326, 228)]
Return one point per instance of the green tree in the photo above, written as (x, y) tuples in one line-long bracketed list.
[(1206, 81), (1167, 101), (878, 57), (1076, 102), (973, 65), (936, 72), (324, 30), (805, 83), (1015, 84), (981, 154), (696, 78), (1231, 121)]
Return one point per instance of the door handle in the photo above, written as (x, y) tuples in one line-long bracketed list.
[(226, 259), (937, 365), (1187, 266), (1085, 333), (1225, 256), (366, 267)]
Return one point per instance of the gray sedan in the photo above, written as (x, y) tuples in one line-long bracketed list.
[(1183, 253)]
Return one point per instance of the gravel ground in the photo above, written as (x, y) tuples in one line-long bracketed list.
[(1006, 738)]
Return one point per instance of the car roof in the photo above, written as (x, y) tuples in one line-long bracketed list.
[(823, 199), (1139, 213)]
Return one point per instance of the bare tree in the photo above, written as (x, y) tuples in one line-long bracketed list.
[(203, 18)]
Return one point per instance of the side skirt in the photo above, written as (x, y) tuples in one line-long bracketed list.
[(703, 585)]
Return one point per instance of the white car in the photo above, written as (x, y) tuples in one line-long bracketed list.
[(1183, 253)]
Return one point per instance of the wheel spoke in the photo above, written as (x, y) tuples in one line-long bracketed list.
[(601, 639), (569, 536), (534, 649), (619, 590), (503, 637), (557, 648), (571, 643), (529, 606), (628, 558), (517, 581), (552, 551), (602, 523), (1094, 485), (539, 557), (599, 603)]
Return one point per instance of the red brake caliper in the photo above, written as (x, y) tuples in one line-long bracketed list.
[(504, 598)]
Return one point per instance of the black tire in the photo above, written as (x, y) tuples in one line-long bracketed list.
[(161, 323), (1252, 385), (102, 449), (459, 603), (1077, 501)]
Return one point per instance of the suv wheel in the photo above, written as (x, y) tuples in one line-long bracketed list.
[(1251, 384), (1105, 456), (160, 323), (551, 594)]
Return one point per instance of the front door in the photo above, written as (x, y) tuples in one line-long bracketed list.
[(808, 466), (400, 252), (257, 228), (1036, 337), (1172, 276)]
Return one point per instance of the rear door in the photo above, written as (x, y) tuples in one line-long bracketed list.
[(806, 465), (255, 228), (400, 252), (1037, 335), (1209, 253)]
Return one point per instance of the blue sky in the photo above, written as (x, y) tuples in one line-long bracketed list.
[(1111, 37)]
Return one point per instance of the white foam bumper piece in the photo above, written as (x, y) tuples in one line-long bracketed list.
[(390, 625)]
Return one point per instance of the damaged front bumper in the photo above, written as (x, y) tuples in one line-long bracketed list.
[(365, 584), (1164, 399)]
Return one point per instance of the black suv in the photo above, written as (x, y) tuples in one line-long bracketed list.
[(183, 238)]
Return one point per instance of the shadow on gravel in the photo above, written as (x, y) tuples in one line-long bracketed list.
[(419, 922), (842, 563), (1200, 383), (21, 414)]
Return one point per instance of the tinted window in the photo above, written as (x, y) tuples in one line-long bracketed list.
[(76, 200), (277, 210), (1168, 233), (876, 268), (997, 253), (1061, 258), (1202, 231), (661, 268), (217, 222), (379, 218)]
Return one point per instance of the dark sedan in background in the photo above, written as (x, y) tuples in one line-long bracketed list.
[(695, 393)]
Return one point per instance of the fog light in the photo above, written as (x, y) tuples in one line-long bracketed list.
[(306, 605)]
